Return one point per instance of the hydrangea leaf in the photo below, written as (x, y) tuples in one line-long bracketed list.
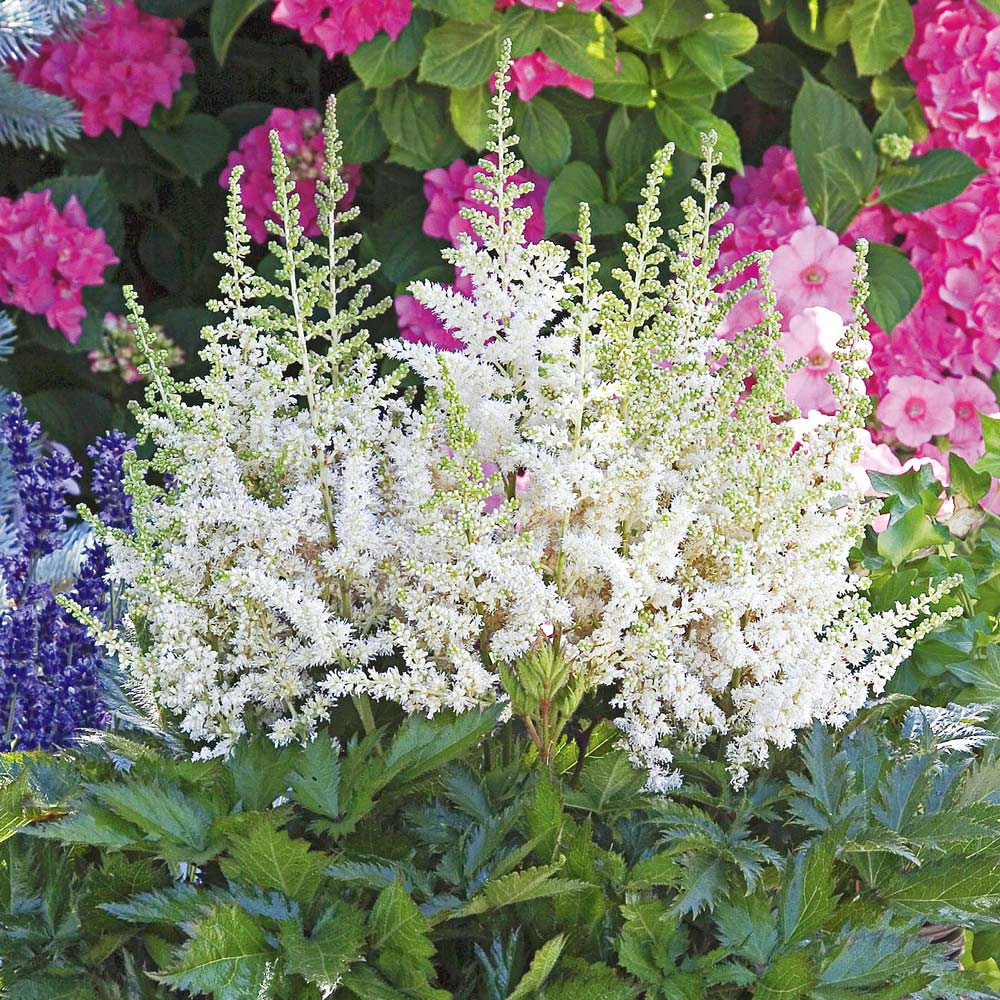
[(383, 61), (460, 55), (226, 19), (631, 85), (776, 76), (928, 180), (545, 135), (881, 32), (360, 128), (685, 122), (581, 43), (663, 20), (194, 146), (469, 109), (226, 957), (717, 42), (895, 286)]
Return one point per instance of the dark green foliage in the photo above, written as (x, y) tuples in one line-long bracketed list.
[(439, 863)]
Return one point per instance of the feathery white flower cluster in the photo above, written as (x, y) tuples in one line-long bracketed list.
[(596, 494)]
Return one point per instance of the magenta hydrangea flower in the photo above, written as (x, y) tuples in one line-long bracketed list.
[(124, 62), (955, 62), (48, 257), (813, 268), (449, 189), (530, 74), (343, 25), (775, 180), (916, 409), (301, 135)]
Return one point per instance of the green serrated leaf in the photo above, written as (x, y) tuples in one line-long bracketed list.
[(951, 886), (335, 943), (460, 55), (400, 936), (226, 957), (519, 887), (262, 855), (359, 126), (13, 814), (542, 965), (194, 146), (807, 900), (469, 110), (315, 783), (631, 85), (259, 768), (663, 20), (582, 43)]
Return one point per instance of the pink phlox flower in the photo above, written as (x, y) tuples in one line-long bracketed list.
[(813, 269), (449, 189), (124, 62), (812, 335), (343, 25), (48, 257), (530, 74), (916, 409), (302, 141)]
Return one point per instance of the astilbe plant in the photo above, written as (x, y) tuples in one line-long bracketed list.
[(597, 495)]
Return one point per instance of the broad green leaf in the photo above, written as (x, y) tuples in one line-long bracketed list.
[(469, 111), (894, 283), (776, 76), (400, 937), (414, 120), (49, 986), (660, 869), (592, 982), (867, 960), (315, 782), (544, 133), (460, 55), (703, 881), (91, 825), (467, 11), (685, 123), (608, 782), (633, 139), (582, 43), (905, 535), (543, 964), (928, 180), (365, 983), (225, 20), (881, 32), (748, 927), (948, 886), (13, 814), (519, 887), (261, 855), (226, 957), (194, 146), (807, 900), (358, 124), (335, 943), (892, 121), (631, 84), (990, 462), (820, 118), (576, 182), (176, 905), (663, 20), (383, 61)]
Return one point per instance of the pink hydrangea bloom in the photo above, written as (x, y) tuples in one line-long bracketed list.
[(813, 269), (529, 74), (125, 62), (302, 141), (776, 179), (448, 191), (623, 8), (343, 25), (813, 335), (916, 409), (48, 257), (955, 62)]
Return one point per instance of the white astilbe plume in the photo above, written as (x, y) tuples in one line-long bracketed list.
[(250, 576), (671, 534)]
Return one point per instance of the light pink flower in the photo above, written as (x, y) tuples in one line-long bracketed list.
[(124, 62), (813, 269), (529, 74), (812, 335), (342, 25), (302, 141), (972, 396), (916, 409), (448, 191), (48, 257)]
